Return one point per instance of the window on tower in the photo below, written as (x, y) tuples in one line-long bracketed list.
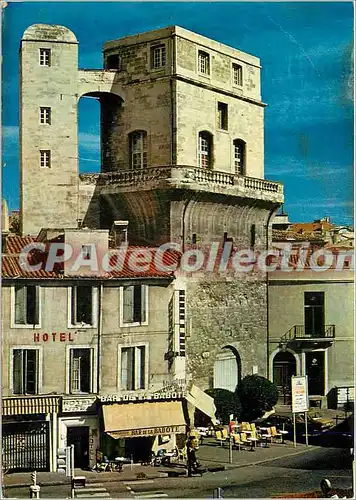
[(239, 148), (45, 115), (203, 63), (45, 158), (45, 57), (205, 148), (138, 149), (158, 56)]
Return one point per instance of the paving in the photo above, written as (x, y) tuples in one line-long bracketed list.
[(211, 455)]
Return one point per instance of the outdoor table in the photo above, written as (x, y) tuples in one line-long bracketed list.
[(252, 440), (284, 433), (264, 435)]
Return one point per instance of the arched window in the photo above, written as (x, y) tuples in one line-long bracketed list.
[(227, 369), (138, 149), (205, 150), (239, 157)]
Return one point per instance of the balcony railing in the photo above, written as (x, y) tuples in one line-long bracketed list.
[(186, 174), (299, 332)]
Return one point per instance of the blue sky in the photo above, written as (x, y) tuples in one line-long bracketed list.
[(306, 52)]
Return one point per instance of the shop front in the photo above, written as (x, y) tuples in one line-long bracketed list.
[(28, 432), (136, 429), (78, 425)]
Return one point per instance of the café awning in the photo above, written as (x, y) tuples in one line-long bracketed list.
[(202, 401), (143, 419)]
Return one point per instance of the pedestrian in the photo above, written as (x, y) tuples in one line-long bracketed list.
[(192, 463)]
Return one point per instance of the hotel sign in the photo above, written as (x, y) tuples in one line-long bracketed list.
[(145, 396), (151, 431)]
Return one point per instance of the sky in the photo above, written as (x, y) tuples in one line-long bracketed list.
[(306, 52)]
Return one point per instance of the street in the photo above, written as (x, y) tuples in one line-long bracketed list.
[(300, 473)]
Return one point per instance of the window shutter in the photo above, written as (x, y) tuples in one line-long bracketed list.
[(73, 310), (124, 369), (128, 302), (20, 301), (17, 363), (143, 303)]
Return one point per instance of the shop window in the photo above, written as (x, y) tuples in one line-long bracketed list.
[(81, 312), (45, 57), (203, 62), (222, 116), (80, 370), (27, 305), (138, 149), (205, 148), (133, 363), (134, 304), (158, 56), (25, 371)]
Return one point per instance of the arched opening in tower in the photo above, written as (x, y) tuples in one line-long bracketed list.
[(98, 132)]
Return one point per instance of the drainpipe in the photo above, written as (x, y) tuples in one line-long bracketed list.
[(100, 327), (267, 284)]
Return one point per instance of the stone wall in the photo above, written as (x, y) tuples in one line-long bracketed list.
[(225, 313)]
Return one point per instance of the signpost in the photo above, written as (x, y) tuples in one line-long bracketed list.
[(300, 403)]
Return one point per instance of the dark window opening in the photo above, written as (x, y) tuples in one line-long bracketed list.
[(113, 62), (314, 314), (80, 370), (134, 304), (253, 235), (26, 305), (25, 370), (222, 116), (82, 305), (239, 149), (194, 238)]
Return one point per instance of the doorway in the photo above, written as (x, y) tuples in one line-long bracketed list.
[(79, 437), (315, 364), (284, 367)]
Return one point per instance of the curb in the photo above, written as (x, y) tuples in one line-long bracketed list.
[(112, 480)]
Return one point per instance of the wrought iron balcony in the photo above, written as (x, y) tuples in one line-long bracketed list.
[(299, 333)]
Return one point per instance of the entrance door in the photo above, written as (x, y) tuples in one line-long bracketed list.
[(284, 366), (79, 437), (315, 370)]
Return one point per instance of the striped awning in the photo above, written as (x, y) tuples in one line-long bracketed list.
[(30, 405)]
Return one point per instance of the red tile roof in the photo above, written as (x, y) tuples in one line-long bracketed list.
[(12, 268)]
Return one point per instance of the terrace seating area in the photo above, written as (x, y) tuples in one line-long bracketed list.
[(244, 435)]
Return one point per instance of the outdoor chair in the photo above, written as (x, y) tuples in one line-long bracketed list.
[(244, 426), (237, 443), (275, 434), (182, 454), (253, 427), (244, 440), (268, 435)]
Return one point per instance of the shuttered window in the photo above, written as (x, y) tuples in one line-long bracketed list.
[(226, 373), (133, 362), (80, 370), (26, 305), (25, 371), (134, 304)]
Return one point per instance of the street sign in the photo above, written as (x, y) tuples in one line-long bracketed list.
[(299, 394)]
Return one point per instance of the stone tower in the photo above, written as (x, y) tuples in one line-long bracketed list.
[(48, 128)]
